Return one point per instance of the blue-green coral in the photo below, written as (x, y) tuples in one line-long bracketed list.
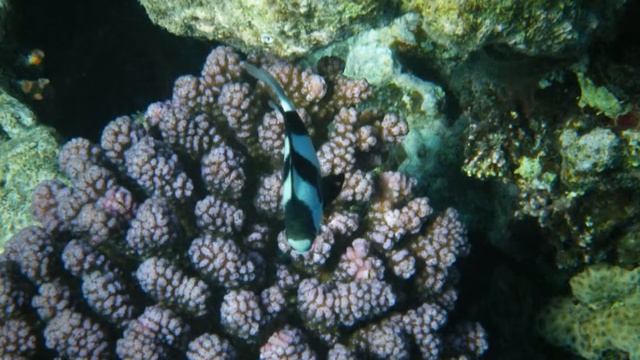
[(603, 316)]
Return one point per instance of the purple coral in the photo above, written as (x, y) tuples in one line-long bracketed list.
[(222, 172), (152, 335), (287, 344), (168, 284), (383, 340), (45, 205), (77, 155), (222, 261), (156, 169), (356, 264), (52, 299), (153, 227), (76, 336), (118, 136), (12, 296), (32, 250), (17, 340), (106, 293), (241, 314), (237, 104), (180, 208), (210, 346)]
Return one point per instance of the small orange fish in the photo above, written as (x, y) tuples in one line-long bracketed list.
[(35, 57), (34, 88)]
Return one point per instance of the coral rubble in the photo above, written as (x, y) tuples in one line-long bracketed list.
[(168, 242)]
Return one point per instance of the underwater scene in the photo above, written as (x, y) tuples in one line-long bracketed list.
[(329, 179)]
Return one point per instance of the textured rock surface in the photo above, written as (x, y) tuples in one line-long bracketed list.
[(453, 30), (601, 317), (573, 165), (283, 28), (27, 156)]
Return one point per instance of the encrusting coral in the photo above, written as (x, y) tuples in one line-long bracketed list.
[(601, 319), (168, 242)]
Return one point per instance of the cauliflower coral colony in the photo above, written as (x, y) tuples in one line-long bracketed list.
[(168, 243)]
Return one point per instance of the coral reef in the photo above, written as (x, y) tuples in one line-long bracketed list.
[(389, 58), (576, 175), (271, 25), (601, 317), (168, 242), (373, 55), (491, 122), (27, 157)]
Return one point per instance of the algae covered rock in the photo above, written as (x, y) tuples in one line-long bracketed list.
[(284, 28), (562, 142), (28, 155), (599, 98), (586, 156), (535, 28), (603, 317)]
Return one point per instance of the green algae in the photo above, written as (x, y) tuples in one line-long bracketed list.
[(599, 98)]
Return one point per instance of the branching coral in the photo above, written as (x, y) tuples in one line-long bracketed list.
[(164, 245)]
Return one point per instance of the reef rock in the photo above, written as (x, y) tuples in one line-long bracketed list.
[(27, 156), (602, 316), (453, 30), (283, 28)]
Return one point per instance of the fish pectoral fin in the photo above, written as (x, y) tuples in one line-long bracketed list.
[(331, 187)]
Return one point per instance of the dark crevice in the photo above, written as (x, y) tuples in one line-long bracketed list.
[(104, 59), (422, 68)]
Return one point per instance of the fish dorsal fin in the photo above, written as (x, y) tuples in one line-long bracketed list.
[(272, 83)]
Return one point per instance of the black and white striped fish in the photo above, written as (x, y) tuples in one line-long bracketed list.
[(302, 188)]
